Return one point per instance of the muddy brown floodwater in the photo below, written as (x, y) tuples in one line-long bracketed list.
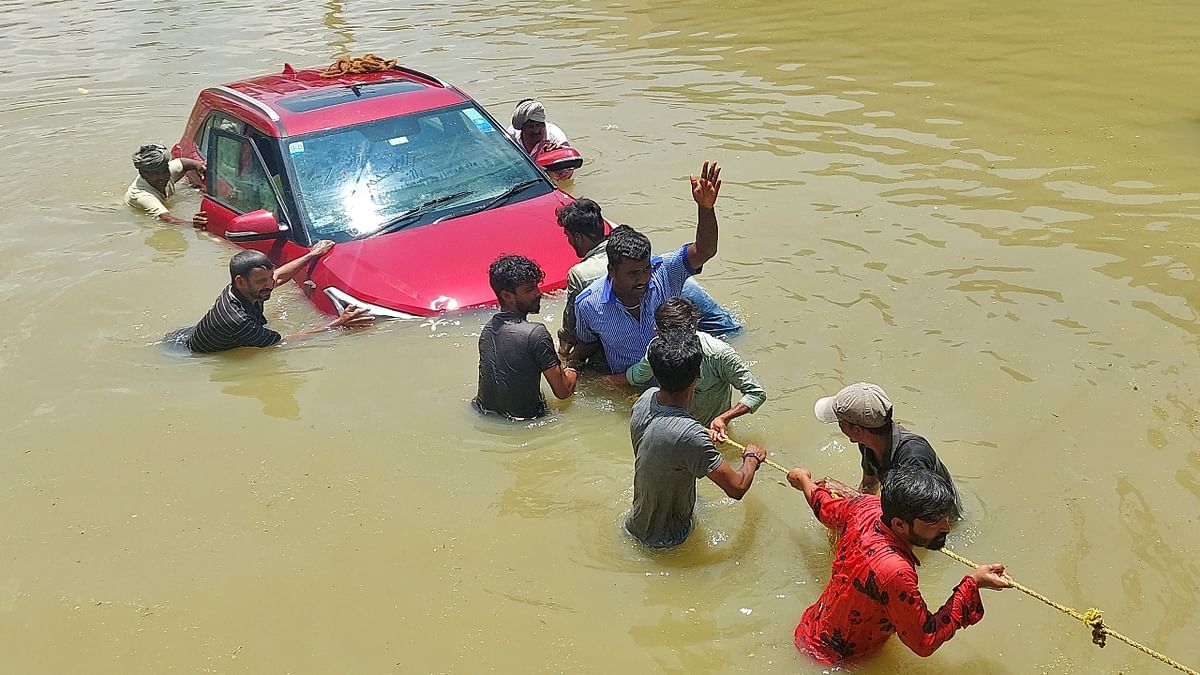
[(991, 210)]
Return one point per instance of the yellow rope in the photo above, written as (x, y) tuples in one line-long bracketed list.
[(768, 462), (1093, 618)]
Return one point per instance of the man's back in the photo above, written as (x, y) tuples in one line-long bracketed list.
[(512, 355), (909, 449), (671, 451), (872, 591)]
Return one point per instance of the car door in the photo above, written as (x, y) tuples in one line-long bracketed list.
[(240, 183)]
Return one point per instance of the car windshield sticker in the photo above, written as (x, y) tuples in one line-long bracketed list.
[(296, 148), (398, 140), (480, 121)]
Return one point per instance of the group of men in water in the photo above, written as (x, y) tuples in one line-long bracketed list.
[(640, 319), (627, 311)]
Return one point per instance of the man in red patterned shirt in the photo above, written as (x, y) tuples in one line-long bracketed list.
[(873, 590)]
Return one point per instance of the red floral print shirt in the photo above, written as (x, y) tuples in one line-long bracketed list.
[(873, 590)]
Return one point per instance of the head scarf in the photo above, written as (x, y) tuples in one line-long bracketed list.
[(528, 110), (151, 158)]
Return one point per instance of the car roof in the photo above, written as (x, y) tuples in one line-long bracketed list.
[(297, 102)]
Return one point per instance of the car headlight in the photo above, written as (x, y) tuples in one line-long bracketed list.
[(341, 300)]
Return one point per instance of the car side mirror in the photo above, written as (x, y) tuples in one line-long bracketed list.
[(257, 225), (560, 159)]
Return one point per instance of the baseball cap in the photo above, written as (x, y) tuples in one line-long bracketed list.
[(863, 403)]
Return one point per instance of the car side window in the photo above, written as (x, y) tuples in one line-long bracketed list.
[(240, 180), (216, 120)]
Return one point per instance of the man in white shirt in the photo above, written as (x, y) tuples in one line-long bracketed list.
[(155, 184)]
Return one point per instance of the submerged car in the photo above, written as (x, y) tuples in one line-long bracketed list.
[(417, 184)]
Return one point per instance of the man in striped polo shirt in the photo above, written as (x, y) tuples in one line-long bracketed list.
[(617, 311), (237, 320)]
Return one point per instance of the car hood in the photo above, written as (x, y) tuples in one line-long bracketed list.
[(444, 266)]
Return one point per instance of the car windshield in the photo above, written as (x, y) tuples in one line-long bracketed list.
[(403, 171)]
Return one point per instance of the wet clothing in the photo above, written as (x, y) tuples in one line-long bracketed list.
[(593, 266), (721, 371), (512, 355), (873, 591), (554, 136), (714, 319), (671, 451), (600, 315), (143, 196), (909, 449), (232, 322)]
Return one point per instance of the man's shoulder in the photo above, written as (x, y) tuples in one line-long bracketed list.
[(590, 296), (910, 442), (714, 346)]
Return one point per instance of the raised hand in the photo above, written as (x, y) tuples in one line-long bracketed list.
[(706, 188)]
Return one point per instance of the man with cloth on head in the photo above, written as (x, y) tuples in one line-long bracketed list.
[(236, 318), (616, 311), (535, 135), (155, 184), (863, 412), (872, 591), (721, 371), (671, 451), (584, 227), (514, 353)]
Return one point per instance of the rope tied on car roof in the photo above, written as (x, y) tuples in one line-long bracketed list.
[(358, 65), (1092, 618)]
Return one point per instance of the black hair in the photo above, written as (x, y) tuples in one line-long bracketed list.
[(626, 243), (582, 216), (244, 261), (509, 271), (912, 492), (675, 358), (676, 313)]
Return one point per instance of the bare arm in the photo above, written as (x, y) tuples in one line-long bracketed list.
[(286, 271), (704, 191), (193, 165), (351, 317), (562, 380), (582, 351), (737, 483)]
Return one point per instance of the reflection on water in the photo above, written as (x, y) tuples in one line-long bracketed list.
[(989, 210)]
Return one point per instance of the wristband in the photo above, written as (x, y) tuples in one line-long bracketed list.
[(757, 461)]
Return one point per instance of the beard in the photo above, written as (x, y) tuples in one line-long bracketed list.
[(934, 544)]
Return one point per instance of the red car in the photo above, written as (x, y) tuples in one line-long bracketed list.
[(419, 186)]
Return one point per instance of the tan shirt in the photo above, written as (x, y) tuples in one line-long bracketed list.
[(142, 196)]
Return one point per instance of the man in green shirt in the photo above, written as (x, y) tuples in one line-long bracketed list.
[(721, 371)]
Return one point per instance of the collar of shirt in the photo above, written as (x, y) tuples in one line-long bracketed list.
[(250, 307), (885, 464), (599, 249), (606, 293)]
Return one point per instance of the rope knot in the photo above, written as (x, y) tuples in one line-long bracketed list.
[(1095, 618)]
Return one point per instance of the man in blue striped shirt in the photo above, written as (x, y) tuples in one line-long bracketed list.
[(617, 311)]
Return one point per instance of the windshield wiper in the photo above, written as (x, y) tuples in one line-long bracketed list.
[(405, 219), (502, 197)]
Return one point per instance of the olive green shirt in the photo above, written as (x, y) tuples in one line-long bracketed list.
[(721, 371), (593, 266)]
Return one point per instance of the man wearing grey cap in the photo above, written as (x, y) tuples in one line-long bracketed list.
[(155, 184), (863, 412)]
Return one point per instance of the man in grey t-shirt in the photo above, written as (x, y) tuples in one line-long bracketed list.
[(515, 354), (671, 450)]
